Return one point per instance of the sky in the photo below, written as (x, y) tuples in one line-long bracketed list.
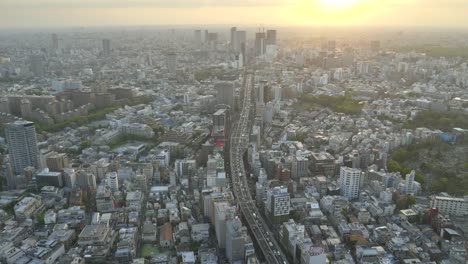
[(71, 13)]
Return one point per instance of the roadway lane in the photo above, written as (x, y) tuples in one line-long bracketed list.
[(239, 142)]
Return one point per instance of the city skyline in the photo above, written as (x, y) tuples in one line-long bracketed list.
[(409, 13)]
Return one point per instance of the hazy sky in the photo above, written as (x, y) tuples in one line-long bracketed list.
[(64, 13)]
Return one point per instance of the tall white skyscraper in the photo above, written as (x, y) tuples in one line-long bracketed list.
[(350, 181), (22, 145)]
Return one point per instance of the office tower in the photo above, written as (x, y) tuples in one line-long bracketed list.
[(260, 92), (271, 37), (171, 62), (37, 65), (375, 45), (55, 42), (277, 204), (259, 47), (221, 125), (57, 162), (235, 240), (4, 105), (69, 178), (106, 47), (223, 212), (299, 167), (86, 181), (225, 94), (240, 40), (22, 145), (206, 36), (197, 35), (331, 46), (213, 41), (233, 37), (45, 177), (322, 163), (350, 182)]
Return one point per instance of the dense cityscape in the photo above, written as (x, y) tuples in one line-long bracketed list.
[(233, 145)]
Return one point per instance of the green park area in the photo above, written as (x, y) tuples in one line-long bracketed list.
[(341, 104), (440, 166), (444, 121), (148, 250), (93, 115), (436, 51)]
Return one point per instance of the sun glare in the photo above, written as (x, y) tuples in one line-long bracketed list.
[(339, 4)]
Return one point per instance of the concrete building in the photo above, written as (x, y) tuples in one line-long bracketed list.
[(27, 207), (106, 47), (22, 145), (322, 163), (235, 240), (292, 234), (112, 181), (278, 204), (57, 162), (350, 182), (171, 62), (313, 255), (450, 205), (225, 93), (223, 212), (46, 177)]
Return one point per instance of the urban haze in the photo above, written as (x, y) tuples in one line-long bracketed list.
[(240, 132)]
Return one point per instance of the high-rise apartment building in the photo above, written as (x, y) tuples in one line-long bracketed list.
[(450, 205), (22, 145), (113, 181), (350, 182)]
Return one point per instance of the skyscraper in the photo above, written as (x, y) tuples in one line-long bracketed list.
[(259, 43), (225, 93), (271, 37), (55, 42), (171, 62), (37, 65), (197, 36), (22, 145), (241, 39), (221, 125), (106, 47), (233, 37), (350, 182)]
